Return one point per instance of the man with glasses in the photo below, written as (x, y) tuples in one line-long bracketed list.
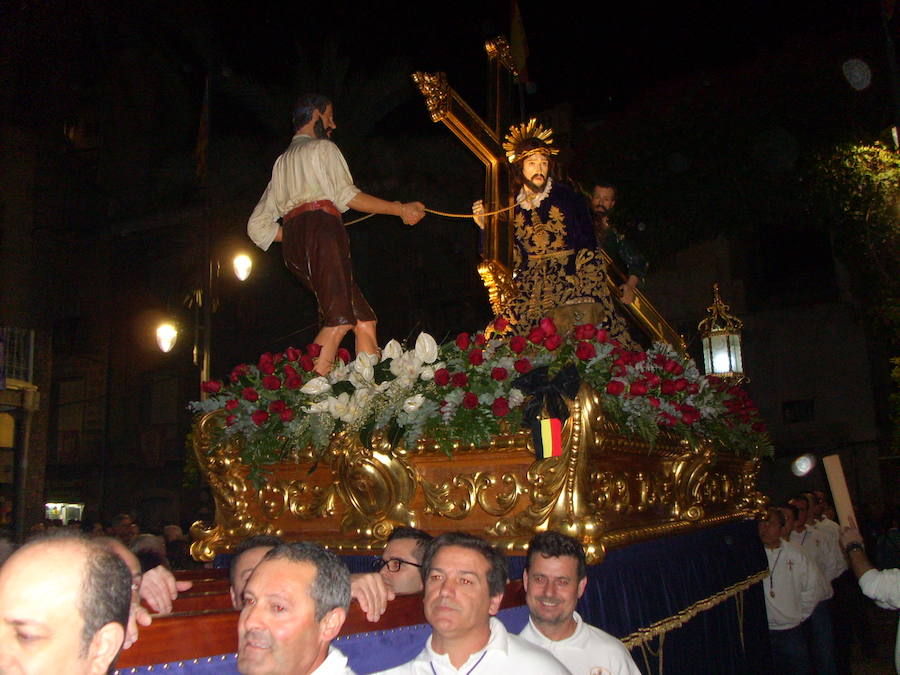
[(402, 559)]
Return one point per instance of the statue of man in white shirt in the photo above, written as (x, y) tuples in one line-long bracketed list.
[(310, 187)]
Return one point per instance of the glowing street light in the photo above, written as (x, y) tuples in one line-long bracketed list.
[(803, 464), (243, 265), (166, 335)]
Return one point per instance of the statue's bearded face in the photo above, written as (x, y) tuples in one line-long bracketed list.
[(325, 122), (534, 172)]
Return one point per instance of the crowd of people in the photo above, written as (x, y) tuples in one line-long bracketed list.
[(293, 599), (813, 601)]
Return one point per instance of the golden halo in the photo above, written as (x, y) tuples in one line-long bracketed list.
[(520, 133)]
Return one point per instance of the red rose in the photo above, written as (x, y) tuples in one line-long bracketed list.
[(679, 369), (548, 326), (293, 382), (637, 388), (238, 371), (618, 370), (290, 371), (286, 415), (231, 419), (459, 379), (211, 386), (681, 384), (462, 341), (522, 366), (277, 406), (470, 400), (500, 407), (652, 380), (602, 335), (585, 331), (517, 344), (667, 387), (552, 342), (585, 351), (689, 414), (758, 427), (279, 357), (442, 377), (536, 335), (314, 349), (615, 387), (259, 417), (479, 340), (344, 355), (652, 400), (293, 354), (267, 367), (692, 388), (669, 365), (476, 357), (306, 362), (271, 382), (499, 374), (231, 404), (250, 394), (500, 324)]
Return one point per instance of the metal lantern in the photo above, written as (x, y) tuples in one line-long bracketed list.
[(720, 334)]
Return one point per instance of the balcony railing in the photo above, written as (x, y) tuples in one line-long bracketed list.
[(16, 354)]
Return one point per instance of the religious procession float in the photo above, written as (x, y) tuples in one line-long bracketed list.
[(550, 417)]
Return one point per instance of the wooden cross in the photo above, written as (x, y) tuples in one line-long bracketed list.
[(484, 139)]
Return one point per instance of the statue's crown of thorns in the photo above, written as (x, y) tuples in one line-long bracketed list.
[(526, 139)]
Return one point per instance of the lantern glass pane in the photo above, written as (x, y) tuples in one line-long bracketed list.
[(734, 343), (707, 356), (721, 362)]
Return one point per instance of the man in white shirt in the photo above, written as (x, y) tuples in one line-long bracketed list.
[(794, 588), (555, 578), (465, 578), (310, 187), (295, 603), (816, 546)]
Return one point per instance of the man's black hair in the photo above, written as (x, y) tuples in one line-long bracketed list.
[(331, 586), (552, 544), (497, 571), (305, 106), (421, 536)]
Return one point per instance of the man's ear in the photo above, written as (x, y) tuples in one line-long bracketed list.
[(105, 647), (331, 623), (495, 604), (525, 579), (234, 602), (581, 586)]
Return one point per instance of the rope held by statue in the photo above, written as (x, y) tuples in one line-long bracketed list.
[(442, 213)]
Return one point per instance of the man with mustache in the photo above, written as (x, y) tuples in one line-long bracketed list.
[(556, 265), (555, 578), (603, 200), (465, 578), (310, 187), (295, 603)]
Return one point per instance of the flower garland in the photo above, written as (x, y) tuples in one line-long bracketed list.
[(466, 390)]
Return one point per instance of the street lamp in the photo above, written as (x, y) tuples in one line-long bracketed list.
[(243, 265), (720, 334), (166, 335), (204, 303)]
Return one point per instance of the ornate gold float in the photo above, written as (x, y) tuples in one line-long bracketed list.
[(606, 489)]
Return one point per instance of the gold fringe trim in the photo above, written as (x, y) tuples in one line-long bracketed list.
[(642, 636)]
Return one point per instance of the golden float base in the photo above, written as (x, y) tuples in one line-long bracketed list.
[(606, 489)]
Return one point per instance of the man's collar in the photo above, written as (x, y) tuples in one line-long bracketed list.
[(498, 640), (532, 203)]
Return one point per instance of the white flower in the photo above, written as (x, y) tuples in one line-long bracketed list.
[(407, 366), (426, 348), (364, 367), (392, 350), (316, 386), (319, 407), (515, 398), (339, 406), (413, 403)]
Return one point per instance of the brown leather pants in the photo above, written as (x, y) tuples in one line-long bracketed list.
[(316, 249)]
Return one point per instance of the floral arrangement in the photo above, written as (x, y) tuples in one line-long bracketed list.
[(467, 390)]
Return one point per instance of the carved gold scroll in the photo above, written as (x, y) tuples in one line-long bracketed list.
[(606, 489)]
